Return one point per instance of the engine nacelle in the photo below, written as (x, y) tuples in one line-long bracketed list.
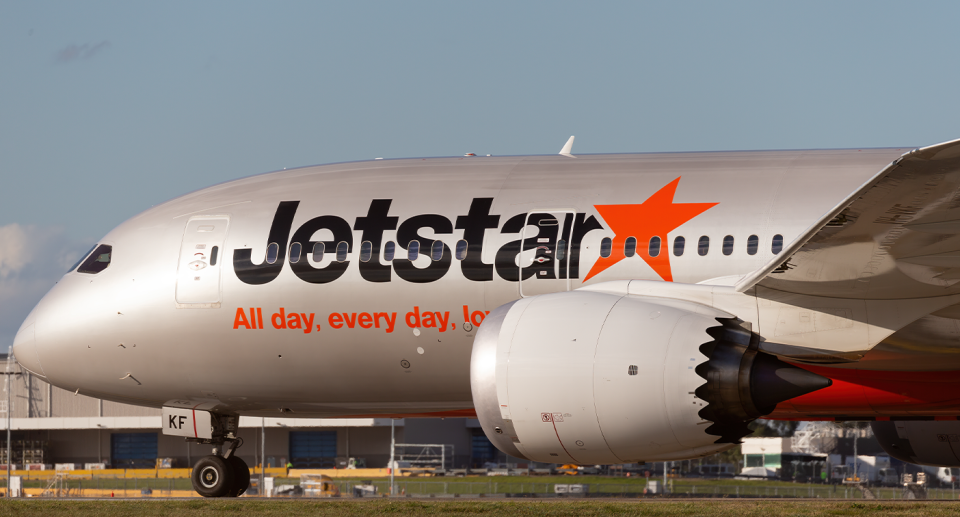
[(597, 378), (921, 442)]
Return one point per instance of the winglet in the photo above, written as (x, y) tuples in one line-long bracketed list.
[(567, 149)]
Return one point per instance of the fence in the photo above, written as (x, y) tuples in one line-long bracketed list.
[(425, 455), (104, 486), (758, 490), (159, 487)]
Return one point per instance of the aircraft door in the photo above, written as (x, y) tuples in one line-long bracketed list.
[(201, 259), (545, 251)]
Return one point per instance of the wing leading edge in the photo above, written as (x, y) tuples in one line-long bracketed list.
[(896, 237)]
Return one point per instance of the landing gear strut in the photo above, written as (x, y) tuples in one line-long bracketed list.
[(222, 474)]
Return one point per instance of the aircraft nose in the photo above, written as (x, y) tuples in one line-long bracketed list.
[(25, 347)]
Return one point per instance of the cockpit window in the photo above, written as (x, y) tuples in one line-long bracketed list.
[(79, 260), (97, 261)]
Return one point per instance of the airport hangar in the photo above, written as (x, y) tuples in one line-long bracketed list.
[(55, 426)]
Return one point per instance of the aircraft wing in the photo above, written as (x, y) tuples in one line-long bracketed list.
[(896, 237)]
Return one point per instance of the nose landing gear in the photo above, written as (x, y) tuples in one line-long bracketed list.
[(217, 475), (221, 476)]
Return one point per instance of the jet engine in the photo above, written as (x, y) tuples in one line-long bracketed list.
[(921, 442), (592, 377)]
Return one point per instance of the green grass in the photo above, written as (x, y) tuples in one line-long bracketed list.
[(738, 508), (617, 486), (477, 485)]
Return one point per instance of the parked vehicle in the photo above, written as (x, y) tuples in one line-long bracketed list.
[(841, 474), (944, 476), (887, 476), (871, 470)]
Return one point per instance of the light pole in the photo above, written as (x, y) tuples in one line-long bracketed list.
[(393, 446), (6, 377), (263, 453), (856, 435), (664, 487)]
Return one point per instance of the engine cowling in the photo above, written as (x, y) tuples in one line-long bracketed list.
[(598, 378), (922, 442)]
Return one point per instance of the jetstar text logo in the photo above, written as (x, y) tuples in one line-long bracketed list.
[(553, 253)]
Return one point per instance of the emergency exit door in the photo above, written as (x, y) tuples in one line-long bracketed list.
[(201, 258), (545, 252)]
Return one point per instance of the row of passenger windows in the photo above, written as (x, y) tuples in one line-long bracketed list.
[(460, 251), (679, 243), (366, 251)]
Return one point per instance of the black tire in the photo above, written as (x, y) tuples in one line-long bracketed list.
[(212, 476), (241, 476)]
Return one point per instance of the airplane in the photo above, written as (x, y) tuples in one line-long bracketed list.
[(587, 309)]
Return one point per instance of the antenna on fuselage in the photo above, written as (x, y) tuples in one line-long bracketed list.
[(567, 149)]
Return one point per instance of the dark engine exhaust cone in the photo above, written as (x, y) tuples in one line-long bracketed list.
[(744, 383), (772, 381)]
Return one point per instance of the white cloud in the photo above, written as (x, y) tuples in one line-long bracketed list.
[(13, 249)]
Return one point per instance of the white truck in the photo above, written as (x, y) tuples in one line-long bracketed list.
[(887, 476), (872, 470), (945, 476)]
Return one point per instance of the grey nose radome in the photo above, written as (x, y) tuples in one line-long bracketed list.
[(25, 349)]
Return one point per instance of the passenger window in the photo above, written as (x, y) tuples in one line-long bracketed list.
[(436, 250), (703, 246), (777, 244), (630, 247), (388, 250), (295, 249), (273, 250), (342, 249), (366, 251), (214, 253), (606, 246), (461, 249), (678, 246), (318, 252), (654, 248), (561, 249), (97, 261), (728, 245), (753, 242), (413, 250)]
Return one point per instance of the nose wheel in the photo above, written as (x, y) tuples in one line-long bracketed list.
[(213, 477), (221, 476), (241, 476)]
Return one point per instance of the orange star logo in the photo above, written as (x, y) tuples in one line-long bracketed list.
[(655, 217)]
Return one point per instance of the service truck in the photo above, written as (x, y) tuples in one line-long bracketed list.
[(871, 470)]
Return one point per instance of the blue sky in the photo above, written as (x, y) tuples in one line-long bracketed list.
[(107, 108)]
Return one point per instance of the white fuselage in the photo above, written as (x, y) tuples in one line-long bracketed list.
[(163, 322)]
